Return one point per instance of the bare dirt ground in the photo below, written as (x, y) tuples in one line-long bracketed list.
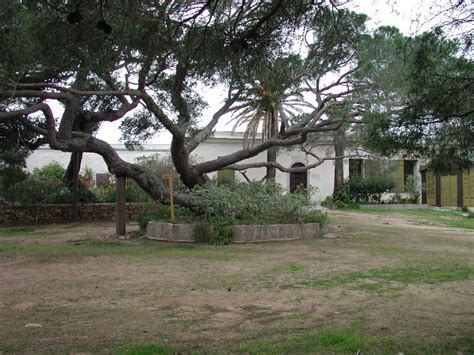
[(374, 285)]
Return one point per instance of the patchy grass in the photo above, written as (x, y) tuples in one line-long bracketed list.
[(324, 340), (294, 268), (11, 347), (24, 231), (466, 223), (455, 219), (421, 274), (71, 251), (374, 289), (147, 350)]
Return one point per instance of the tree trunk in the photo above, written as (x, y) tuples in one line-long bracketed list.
[(271, 157), (69, 173), (272, 152), (146, 179), (338, 141), (189, 174)]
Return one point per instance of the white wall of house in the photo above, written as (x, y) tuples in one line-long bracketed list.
[(44, 156), (222, 143)]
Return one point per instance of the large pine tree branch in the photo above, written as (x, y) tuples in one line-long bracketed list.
[(300, 169)]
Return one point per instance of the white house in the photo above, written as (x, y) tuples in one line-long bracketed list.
[(223, 143)]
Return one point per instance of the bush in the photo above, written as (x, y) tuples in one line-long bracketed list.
[(253, 203), (10, 176), (107, 193), (52, 171), (315, 217), (45, 186), (340, 199), (369, 190), (36, 190), (143, 218), (160, 212), (356, 190), (221, 232)]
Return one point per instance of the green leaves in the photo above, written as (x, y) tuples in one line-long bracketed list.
[(253, 202), (420, 96)]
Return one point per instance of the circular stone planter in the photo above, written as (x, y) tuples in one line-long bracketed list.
[(170, 232)]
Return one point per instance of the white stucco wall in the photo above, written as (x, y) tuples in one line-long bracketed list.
[(44, 155), (223, 143)]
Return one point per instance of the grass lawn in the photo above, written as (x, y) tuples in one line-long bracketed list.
[(383, 282), (449, 218)]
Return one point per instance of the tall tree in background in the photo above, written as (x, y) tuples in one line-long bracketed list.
[(146, 68), (272, 99), (424, 104)]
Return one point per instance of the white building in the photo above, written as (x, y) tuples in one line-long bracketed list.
[(223, 143)]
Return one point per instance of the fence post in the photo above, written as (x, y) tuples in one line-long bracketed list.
[(76, 165), (120, 207)]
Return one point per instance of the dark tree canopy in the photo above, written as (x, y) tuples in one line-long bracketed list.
[(424, 105), (141, 63)]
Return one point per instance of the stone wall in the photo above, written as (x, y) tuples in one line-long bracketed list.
[(396, 206), (241, 233), (44, 214), (274, 232)]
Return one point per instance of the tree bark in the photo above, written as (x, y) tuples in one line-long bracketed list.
[(180, 156), (271, 158), (273, 151), (338, 141)]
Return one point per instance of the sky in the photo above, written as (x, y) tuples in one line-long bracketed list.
[(410, 16)]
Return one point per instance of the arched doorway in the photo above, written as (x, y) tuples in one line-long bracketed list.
[(298, 179)]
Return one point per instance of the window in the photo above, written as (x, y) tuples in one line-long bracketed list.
[(355, 167), (102, 179), (408, 171)]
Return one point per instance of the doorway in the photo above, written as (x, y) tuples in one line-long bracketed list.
[(298, 179)]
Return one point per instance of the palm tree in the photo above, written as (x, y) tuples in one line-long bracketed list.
[(268, 104)]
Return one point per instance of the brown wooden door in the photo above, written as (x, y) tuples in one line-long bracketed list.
[(298, 179)]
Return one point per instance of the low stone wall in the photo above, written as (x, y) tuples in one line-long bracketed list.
[(44, 214), (169, 232), (241, 233), (396, 206), (274, 232)]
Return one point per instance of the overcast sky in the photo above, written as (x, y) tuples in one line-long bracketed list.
[(410, 16)]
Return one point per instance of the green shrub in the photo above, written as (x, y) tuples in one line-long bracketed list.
[(143, 218), (370, 189), (107, 193), (9, 176), (36, 190), (221, 232), (52, 171), (356, 190), (315, 216), (161, 212), (157, 212), (254, 202)]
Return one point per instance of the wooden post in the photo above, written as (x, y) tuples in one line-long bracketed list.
[(460, 190), (438, 190), (120, 206), (170, 178), (75, 184)]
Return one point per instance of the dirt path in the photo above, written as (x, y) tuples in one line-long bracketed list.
[(383, 277)]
